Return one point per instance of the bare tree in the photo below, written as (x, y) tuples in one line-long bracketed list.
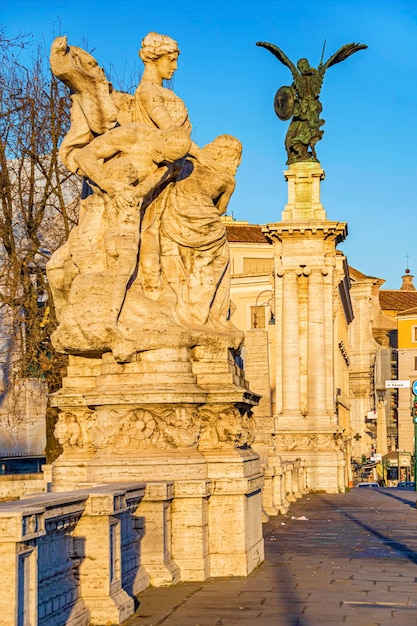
[(39, 205)]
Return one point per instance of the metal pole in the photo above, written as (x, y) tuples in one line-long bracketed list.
[(415, 456)]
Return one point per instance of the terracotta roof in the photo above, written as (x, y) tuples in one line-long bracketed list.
[(246, 233), (396, 300), (358, 276)]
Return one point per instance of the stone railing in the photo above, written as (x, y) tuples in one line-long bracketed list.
[(285, 481), (15, 486), (72, 558), (80, 557)]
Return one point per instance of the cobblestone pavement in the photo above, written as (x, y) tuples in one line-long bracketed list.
[(352, 561)]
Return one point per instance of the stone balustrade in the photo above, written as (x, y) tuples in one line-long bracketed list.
[(71, 558), (80, 557), (284, 482), (15, 486)]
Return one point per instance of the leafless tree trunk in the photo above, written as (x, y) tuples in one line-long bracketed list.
[(39, 205)]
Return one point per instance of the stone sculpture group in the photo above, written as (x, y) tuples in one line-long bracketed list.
[(148, 264)]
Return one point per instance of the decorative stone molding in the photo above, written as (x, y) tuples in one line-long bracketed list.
[(156, 427), (137, 428), (295, 442)]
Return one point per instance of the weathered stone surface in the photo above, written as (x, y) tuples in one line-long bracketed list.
[(307, 280), (142, 291), (147, 267)]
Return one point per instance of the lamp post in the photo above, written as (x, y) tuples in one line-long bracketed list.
[(414, 415), (257, 307), (381, 424)]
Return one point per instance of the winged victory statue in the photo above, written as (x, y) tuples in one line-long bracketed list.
[(301, 101)]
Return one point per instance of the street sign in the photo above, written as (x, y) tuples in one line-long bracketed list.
[(397, 384), (415, 387)]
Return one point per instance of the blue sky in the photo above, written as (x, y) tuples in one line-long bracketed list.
[(369, 149)]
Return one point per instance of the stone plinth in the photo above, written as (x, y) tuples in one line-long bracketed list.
[(323, 454), (179, 417), (304, 192), (236, 495)]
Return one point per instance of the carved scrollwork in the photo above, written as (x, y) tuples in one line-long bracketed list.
[(181, 426), (123, 428), (139, 428)]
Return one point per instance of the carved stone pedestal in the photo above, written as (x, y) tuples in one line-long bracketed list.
[(179, 420), (312, 312)]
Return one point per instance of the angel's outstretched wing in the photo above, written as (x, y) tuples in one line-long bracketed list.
[(281, 56), (342, 54)]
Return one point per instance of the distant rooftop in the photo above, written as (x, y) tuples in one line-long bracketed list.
[(240, 231), (356, 275), (402, 299)]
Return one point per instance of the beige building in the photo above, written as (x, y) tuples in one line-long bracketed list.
[(375, 356)]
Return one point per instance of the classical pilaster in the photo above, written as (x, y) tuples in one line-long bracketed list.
[(316, 382), (290, 345)]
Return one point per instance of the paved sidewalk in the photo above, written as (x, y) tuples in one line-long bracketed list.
[(352, 561)]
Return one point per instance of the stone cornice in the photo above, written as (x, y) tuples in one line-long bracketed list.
[(312, 228)]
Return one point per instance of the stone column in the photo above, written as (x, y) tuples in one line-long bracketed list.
[(290, 345), (316, 345)]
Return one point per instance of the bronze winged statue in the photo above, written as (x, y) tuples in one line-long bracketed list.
[(301, 100)]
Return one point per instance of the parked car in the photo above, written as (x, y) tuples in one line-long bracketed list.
[(369, 485), (407, 484)]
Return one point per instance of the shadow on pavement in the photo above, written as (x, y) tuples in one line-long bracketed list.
[(391, 494), (291, 600), (401, 549)]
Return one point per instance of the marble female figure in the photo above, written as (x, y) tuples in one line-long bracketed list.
[(154, 104)]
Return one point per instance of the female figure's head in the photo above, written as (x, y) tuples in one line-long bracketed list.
[(159, 53)]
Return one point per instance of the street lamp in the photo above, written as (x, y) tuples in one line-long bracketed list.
[(381, 424), (271, 321), (414, 415)]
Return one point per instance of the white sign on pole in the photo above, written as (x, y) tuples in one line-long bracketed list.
[(397, 384)]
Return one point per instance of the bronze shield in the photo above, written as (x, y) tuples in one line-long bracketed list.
[(284, 103)]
